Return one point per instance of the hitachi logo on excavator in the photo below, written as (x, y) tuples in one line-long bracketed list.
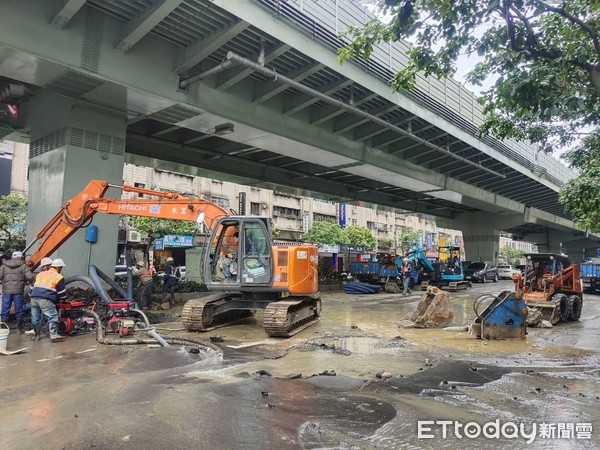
[(133, 207)]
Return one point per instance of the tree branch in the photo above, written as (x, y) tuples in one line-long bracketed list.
[(576, 20)]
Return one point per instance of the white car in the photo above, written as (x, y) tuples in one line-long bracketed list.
[(506, 271)]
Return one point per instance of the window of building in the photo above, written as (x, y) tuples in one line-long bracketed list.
[(324, 218), (141, 186), (255, 208), (281, 211), (221, 201)]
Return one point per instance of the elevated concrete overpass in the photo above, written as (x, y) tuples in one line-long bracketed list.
[(251, 90)]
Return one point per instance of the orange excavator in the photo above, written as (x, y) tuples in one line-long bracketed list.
[(281, 280)]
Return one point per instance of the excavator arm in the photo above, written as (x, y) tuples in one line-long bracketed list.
[(77, 213)]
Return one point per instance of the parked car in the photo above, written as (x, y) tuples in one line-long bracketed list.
[(507, 271), (181, 272), (481, 272)]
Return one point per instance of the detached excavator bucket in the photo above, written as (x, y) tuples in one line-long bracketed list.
[(434, 310)]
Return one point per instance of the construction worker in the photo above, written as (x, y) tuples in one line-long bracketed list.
[(145, 282), (49, 287), (169, 281), (13, 276), (406, 277)]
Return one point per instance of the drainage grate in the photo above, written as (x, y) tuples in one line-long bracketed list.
[(74, 84), (92, 40), (175, 114)]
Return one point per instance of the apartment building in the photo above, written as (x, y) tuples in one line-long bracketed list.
[(293, 215)]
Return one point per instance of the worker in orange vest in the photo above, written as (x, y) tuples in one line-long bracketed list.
[(48, 288)]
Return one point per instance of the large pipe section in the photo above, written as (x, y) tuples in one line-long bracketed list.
[(96, 274)]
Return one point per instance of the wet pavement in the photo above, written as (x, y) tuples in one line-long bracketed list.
[(355, 380)]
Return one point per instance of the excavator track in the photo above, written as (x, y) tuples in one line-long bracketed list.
[(199, 315), (455, 286), (286, 318)]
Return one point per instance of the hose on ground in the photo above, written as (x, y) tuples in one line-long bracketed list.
[(356, 287), (141, 313), (171, 340)]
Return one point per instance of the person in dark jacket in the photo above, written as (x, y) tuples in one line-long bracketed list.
[(49, 287), (145, 282), (13, 276), (169, 281)]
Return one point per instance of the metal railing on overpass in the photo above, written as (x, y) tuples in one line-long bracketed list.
[(558, 174)]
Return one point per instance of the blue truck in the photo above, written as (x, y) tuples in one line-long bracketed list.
[(590, 275), (384, 267)]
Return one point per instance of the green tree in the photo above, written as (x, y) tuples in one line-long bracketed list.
[(407, 238), (581, 195), (386, 242), (512, 254), (325, 233), (13, 220), (157, 228), (545, 57), (358, 236)]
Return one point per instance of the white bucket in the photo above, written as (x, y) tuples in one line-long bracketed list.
[(3, 336)]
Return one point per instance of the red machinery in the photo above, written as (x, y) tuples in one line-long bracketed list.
[(72, 318)]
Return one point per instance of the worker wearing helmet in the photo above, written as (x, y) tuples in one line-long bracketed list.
[(169, 281), (145, 282), (14, 274), (48, 288)]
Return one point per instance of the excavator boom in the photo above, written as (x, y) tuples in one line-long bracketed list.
[(78, 211)]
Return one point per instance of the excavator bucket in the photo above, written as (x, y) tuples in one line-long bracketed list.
[(434, 310), (549, 309)]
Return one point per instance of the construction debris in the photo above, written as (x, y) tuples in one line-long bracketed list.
[(391, 287), (434, 310)]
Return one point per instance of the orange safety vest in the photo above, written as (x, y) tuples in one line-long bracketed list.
[(48, 279), (45, 285), (148, 274)]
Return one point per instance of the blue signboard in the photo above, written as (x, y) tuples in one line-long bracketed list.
[(342, 215), (429, 240), (456, 241), (177, 240), (598, 253), (159, 244), (420, 241)]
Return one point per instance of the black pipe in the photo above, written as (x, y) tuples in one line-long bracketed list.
[(94, 282), (129, 263), (98, 274)]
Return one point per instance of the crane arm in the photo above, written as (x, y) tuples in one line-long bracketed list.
[(78, 211), (418, 255)]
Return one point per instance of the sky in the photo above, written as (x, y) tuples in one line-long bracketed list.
[(464, 64)]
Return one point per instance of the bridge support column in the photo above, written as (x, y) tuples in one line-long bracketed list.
[(481, 232), (71, 144), (482, 245)]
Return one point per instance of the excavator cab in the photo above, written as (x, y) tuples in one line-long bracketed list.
[(240, 256)]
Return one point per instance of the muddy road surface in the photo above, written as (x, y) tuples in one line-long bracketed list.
[(355, 380)]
